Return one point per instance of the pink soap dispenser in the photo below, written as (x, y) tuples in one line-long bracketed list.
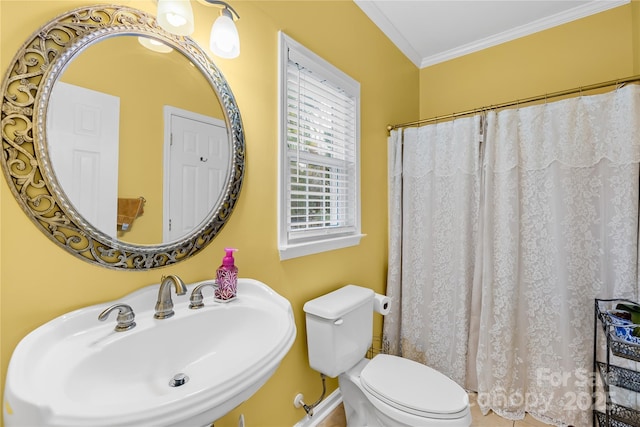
[(227, 278)]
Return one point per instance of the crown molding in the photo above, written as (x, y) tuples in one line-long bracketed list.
[(377, 16), (374, 13), (576, 13)]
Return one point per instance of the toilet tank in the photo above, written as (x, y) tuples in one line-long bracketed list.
[(339, 329)]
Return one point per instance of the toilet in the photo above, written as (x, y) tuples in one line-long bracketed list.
[(386, 391)]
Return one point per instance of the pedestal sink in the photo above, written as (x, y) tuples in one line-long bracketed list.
[(77, 371)]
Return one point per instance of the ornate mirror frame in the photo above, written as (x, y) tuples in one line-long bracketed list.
[(27, 167)]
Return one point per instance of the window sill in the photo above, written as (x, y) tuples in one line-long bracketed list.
[(310, 248)]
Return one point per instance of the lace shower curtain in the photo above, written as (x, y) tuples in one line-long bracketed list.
[(434, 201), (553, 224)]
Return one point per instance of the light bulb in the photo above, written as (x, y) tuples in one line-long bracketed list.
[(175, 19), (224, 40), (176, 16)]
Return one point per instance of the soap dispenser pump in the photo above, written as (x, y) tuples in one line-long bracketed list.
[(227, 278)]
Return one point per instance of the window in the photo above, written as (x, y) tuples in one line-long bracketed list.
[(319, 162)]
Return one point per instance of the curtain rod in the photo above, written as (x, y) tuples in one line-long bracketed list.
[(518, 102)]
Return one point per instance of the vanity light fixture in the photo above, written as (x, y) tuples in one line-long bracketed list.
[(176, 16), (224, 40)]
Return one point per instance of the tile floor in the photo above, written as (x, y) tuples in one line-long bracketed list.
[(493, 420), (337, 419)]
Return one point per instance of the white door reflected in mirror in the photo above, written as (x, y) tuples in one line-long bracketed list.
[(196, 163), (85, 124)]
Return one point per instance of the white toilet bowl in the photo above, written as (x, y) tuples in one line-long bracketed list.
[(386, 391), (389, 391)]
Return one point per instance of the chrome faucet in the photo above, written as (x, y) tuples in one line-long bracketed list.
[(195, 300), (125, 317), (164, 305)]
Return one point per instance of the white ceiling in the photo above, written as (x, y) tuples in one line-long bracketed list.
[(432, 31)]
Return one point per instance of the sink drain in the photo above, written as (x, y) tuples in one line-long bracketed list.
[(178, 380)]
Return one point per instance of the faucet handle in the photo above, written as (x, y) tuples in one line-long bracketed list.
[(196, 298), (125, 316)]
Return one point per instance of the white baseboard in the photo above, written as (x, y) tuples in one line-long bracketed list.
[(321, 411)]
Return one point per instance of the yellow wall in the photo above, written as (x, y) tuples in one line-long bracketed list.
[(635, 44), (39, 281), (591, 50)]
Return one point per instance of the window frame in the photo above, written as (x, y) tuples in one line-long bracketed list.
[(321, 241)]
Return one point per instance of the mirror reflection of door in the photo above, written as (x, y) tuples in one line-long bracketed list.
[(85, 124), (196, 163), (145, 81)]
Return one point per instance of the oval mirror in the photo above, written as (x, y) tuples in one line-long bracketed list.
[(123, 142)]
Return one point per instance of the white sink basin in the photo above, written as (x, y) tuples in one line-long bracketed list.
[(77, 371)]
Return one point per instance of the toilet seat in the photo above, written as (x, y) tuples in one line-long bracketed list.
[(413, 388)]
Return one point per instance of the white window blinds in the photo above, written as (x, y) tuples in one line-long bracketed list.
[(320, 151)]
